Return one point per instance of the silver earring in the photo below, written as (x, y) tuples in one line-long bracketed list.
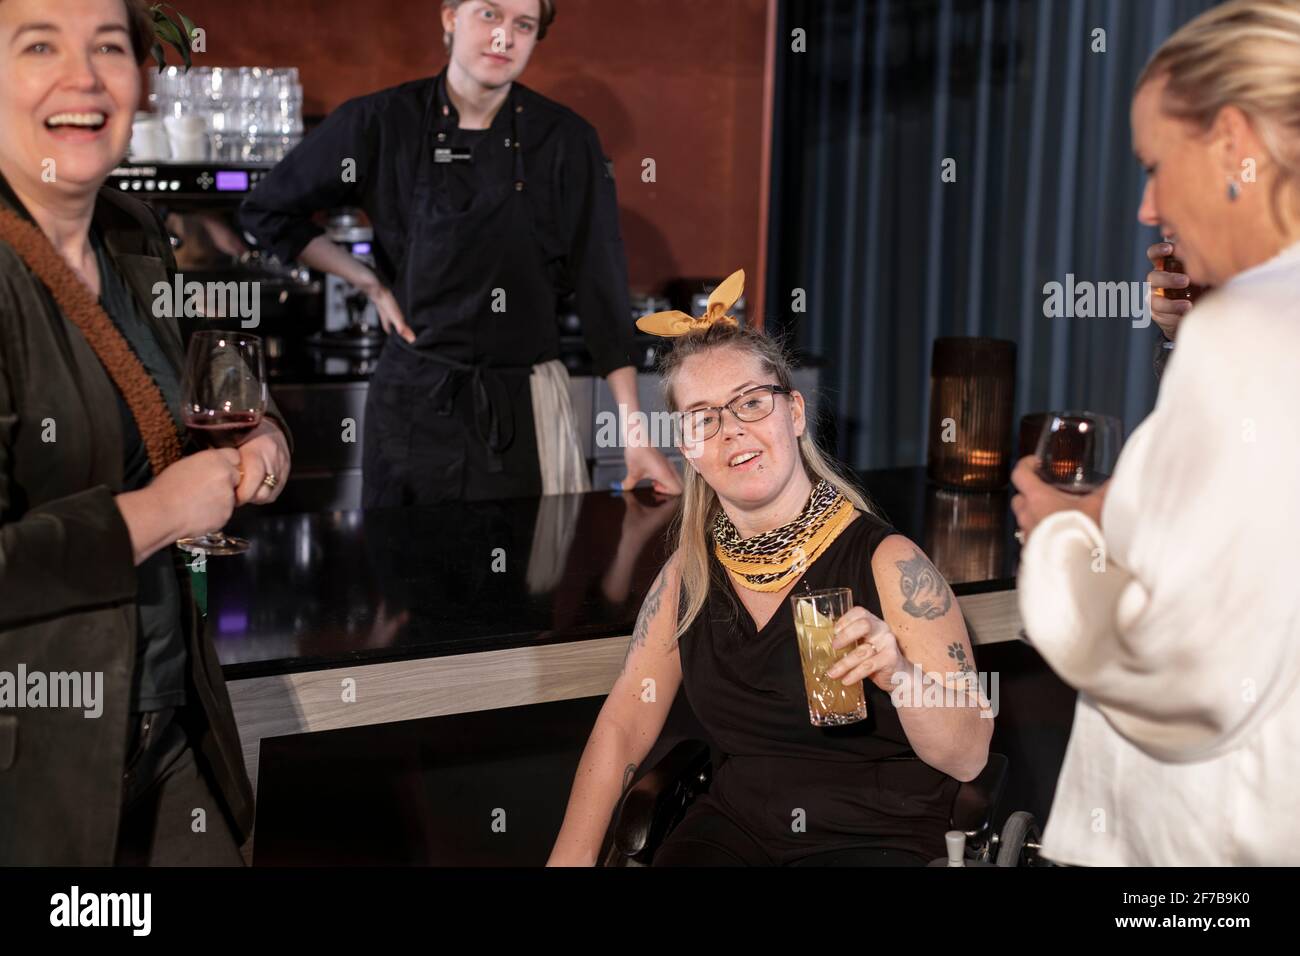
[(1234, 190)]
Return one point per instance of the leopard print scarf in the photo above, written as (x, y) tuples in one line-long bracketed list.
[(771, 560), (142, 395)]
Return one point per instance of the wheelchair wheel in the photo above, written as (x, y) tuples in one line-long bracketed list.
[(1019, 829)]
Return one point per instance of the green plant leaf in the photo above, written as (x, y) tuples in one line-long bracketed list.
[(164, 29), (184, 23), (189, 26), (172, 32)]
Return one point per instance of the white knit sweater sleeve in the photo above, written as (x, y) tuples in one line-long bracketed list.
[(1181, 622)]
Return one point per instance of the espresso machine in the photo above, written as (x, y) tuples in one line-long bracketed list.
[(351, 320), (313, 325), (199, 203)]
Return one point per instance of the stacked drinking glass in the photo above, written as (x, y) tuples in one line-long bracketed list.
[(250, 114)]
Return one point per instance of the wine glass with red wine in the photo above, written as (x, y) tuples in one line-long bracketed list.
[(224, 399), (1077, 451)]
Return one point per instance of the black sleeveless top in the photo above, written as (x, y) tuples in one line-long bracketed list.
[(855, 784)]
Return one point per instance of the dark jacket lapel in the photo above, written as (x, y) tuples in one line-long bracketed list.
[(131, 230)]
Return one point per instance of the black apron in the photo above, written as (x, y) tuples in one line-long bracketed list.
[(440, 428)]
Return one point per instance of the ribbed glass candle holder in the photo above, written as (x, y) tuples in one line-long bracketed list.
[(972, 398)]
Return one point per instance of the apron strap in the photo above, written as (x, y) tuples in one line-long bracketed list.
[(492, 413)]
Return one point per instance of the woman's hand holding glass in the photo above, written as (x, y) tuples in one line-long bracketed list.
[(876, 655), (264, 455), (1166, 312), (1037, 500), (190, 497)]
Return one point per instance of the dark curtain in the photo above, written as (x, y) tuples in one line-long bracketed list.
[(889, 257)]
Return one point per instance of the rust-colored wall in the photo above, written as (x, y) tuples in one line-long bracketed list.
[(675, 80)]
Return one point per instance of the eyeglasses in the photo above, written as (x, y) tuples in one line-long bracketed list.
[(752, 405)]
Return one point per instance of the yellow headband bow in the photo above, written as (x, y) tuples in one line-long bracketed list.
[(672, 324)]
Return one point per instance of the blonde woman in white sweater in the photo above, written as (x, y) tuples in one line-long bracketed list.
[(1171, 598)]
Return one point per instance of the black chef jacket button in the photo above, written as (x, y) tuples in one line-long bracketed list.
[(507, 140), (519, 109), (518, 186), (442, 137)]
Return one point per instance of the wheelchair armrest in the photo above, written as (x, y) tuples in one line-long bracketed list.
[(977, 800), (649, 807)]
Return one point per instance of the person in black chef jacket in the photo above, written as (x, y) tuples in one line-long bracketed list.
[(488, 202)]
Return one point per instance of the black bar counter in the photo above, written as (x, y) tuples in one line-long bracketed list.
[(339, 588)]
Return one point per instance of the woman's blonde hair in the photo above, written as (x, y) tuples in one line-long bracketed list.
[(1243, 53), (699, 502)]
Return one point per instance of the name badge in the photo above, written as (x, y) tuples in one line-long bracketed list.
[(448, 154)]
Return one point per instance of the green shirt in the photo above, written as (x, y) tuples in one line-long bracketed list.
[(161, 657)]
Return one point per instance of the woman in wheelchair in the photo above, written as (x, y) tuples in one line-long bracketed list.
[(763, 513)]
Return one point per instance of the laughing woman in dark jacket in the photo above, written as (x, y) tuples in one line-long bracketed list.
[(115, 726)]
